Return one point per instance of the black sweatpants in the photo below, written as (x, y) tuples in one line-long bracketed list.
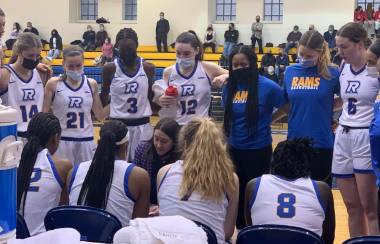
[(260, 42), (320, 166), (212, 45), (250, 164), (161, 37)]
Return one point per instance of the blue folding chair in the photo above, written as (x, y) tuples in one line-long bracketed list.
[(93, 224), (363, 239), (22, 230), (211, 237), (274, 234)]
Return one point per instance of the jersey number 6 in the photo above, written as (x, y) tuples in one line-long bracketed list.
[(352, 106), (286, 209)]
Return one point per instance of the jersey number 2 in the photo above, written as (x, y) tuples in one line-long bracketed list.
[(27, 115), (286, 209), (36, 176), (72, 119), (188, 107)]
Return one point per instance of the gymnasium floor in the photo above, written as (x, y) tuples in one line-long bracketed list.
[(341, 230)]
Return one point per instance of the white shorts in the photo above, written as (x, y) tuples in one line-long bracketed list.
[(352, 153), (138, 134), (23, 139), (76, 151)]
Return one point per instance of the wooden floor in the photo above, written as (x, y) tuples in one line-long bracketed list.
[(341, 231)]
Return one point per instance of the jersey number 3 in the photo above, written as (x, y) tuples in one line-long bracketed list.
[(286, 209), (133, 103)]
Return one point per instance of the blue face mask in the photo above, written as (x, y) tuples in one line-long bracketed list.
[(186, 62), (89, 29), (75, 75), (306, 63)]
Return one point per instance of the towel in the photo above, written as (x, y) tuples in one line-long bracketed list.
[(58, 236)]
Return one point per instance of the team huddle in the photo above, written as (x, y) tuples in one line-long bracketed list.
[(198, 176)]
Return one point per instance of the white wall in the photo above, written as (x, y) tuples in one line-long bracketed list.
[(182, 15)]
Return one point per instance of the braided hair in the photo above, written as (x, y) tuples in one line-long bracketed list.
[(40, 129), (127, 33), (252, 103), (291, 158), (97, 184)]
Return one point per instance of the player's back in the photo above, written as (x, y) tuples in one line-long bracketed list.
[(43, 194), (191, 206), (287, 202), (120, 202)]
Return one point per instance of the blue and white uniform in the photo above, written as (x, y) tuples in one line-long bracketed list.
[(294, 202), (352, 152), (210, 213), (130, 104), (73, 109), (44, 193), (26, 96), (120, 202), (194, 93)]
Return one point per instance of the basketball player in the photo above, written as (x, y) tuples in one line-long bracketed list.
[(288, 196), (352, 154), (192, 77), (73, 96), (40, 176), (21, 85), (109, 182), (214, 202), (130, 80), (249, 100)]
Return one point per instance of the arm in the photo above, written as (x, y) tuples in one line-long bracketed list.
[(93, 36), (139, 183), (150, 71), (237, 36), (108, 71), (166, 100), (100, 112), (4, 78), (168, 27), (338, 103), (217, 74), (84, 36), (248, 198), (213, 37), (63, 167), (225, 35), (328, 226), (37, 33), (287, 62), (232, 210), (253, 27), (49, 93), (288, 38), (281, 112)]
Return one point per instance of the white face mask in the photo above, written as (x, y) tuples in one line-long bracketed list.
[(373, 72), (75, 75)]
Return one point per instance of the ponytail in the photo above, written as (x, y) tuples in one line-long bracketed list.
[(97, 184), (324, 61), (14, 56)]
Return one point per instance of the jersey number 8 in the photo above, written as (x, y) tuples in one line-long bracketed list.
[(286, 209)]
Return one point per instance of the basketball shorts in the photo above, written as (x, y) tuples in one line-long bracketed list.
[(76, 151)]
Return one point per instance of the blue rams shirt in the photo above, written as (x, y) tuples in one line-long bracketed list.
[(374, 134), (270, 96), (311, 103)]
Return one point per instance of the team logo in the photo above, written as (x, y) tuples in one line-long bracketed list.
[(240, 97), (131, 87), (188, 90), (353, 86), (28, 94), (75, 102), (305, 83)]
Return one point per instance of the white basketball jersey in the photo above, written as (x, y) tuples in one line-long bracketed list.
[(129, 93), (194, 93), (26, 96), (191, 207), (120, 202), (358, 91), (73, 109), (287, 202), (44, 192)]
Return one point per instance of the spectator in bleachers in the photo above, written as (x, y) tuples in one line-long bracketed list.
[(230, 36), (377, 22), (271, 75), (3, 46), (337, 59), (369, 21), (16, 31), (267, 60), (55, 45), (358, 15), (282, 61), (88, 39), (293, 39), (257, 34), (162, 30), (311, 27), (31, 28), (100, 37), (115, 52), (107, 53), (210, 39), (329, 36), (288, 196)]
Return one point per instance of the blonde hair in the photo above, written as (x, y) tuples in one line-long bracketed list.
[(315, 41), (207, 166), (24, 42), (70, 51)]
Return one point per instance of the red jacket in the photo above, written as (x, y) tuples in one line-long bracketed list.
[(377, 15), (359, 16)]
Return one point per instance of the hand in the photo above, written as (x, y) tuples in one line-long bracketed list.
[(370, 23), (334, 125), (45, 69), (153, 211), (219, 81), (282, 66), (166, 101)]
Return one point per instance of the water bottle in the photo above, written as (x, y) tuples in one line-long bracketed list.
[(10, 154), (171, 111)]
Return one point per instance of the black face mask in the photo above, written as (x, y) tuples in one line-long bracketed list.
[(310, 29), (209, 29), (230, 28), (53, 34), (269, 54), (280, 54), (128, 59), (243, 74), (257, 20), (29, 64)]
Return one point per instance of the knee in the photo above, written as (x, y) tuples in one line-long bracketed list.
[(354, 208)]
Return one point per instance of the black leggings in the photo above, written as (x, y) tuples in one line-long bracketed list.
[(212, 45), (320, 167), (250, 164)]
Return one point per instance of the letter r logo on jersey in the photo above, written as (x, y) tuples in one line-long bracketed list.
[(75, 102), (28, 94), (353, 86), (188, 90), (131, 87)]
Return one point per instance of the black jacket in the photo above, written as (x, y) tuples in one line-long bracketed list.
[(162, 27), (231, 36), (272, 77), (34, 31), (328, 37), (267, 60), (89, 36), (58, 42)]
